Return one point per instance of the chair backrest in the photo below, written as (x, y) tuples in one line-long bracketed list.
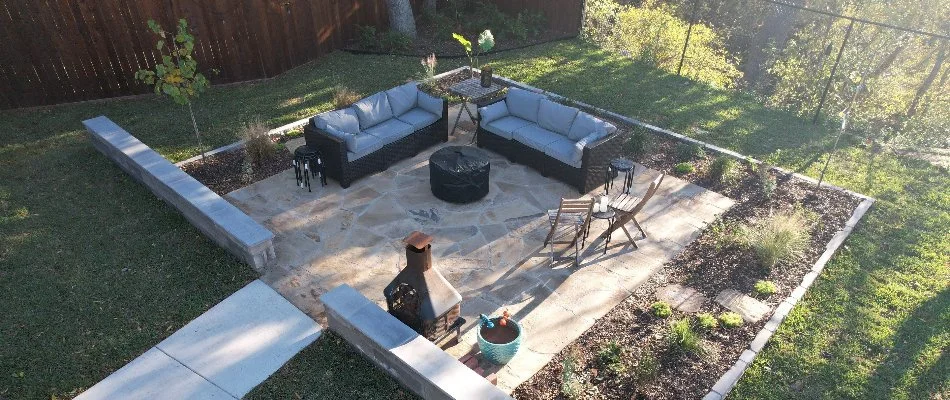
[(650, 192), (572, 206)]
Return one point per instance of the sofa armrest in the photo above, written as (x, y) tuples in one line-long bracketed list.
[(332, 149), (604, 149)]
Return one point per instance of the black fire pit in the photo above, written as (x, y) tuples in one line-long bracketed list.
[(459, 174)]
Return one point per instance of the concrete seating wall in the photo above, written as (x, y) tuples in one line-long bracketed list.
[(219, 220), (414, 361)]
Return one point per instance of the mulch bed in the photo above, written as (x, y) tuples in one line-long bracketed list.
[(632, 325), (223, 172)]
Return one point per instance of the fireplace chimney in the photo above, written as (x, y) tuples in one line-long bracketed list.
[(420, 296)]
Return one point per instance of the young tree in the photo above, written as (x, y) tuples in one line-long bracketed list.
[(177, 75), (400, 17)]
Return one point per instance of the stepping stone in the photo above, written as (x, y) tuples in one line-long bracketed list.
[(681, 297), (750, 309), (154, 375)]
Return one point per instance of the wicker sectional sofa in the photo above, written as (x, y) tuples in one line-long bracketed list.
[(554, 139), (377, 131)]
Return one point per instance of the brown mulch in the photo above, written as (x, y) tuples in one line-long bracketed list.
[(631, 325), (222, 172)]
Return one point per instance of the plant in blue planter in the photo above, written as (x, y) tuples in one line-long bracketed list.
[(499, 338)]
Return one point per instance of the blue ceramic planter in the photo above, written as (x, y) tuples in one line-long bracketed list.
[(500, 353)]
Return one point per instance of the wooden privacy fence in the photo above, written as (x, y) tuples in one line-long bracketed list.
[(59, 51)]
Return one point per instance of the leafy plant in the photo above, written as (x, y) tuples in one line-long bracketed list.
[(730, 319), (367, 37), (661, 309), (485, 43), (689, 151), (177, 75), (767, 182), (344, 97), (706, 322), (640, 142), (780, 237), (725, 170), (725, 235), (647, 367), (573, 384), (258, 145), (394, 41), (611, 358), (428, 69), (764, 288), (683, 168), (682, 339)]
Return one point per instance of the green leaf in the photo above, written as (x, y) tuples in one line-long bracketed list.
[(154, 26), (463, 41), (159, 45)]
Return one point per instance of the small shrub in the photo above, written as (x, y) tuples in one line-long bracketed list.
[(767, 182), (781, 237), (367, 37), (706, 322), (684, 340), (344, 97), (258, 146), (725, 170), (573, 384), (647, 367), (247, 171), (661, 309), (730, 319), (725, 235), (641, 142), (689, 151), (683, 168), (394, 41), (611, 358), (764, 288)]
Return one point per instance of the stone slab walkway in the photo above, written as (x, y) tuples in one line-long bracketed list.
[(489, 250), (222, 354)]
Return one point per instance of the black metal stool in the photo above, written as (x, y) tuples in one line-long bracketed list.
[(307, 164), (617, 166)]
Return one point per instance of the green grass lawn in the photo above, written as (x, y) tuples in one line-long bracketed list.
[(94, 269)]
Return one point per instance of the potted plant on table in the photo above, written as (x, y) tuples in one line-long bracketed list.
[(499, 338), (486, 41)]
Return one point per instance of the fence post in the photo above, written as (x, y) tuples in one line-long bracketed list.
[(689, 31), (834, 68)]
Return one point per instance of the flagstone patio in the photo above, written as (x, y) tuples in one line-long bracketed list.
[(490, 250)]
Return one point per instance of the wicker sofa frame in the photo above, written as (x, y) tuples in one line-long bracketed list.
[(339, 168), (594, 164)]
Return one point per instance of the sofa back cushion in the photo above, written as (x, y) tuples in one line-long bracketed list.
[(493, 112), (344, 120), (524, 104), (585, 124), (403, 98), (373, 110), (556, 117)]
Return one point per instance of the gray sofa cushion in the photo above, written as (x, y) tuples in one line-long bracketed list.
[(584, 124), (418, 118), (493, 112), (556, 117), (403, 98), (565, 151), (373, 110), (536, 137), (524, 104), (390, 130), (506, 126), (344, 120), (357, 142), (430, 103)]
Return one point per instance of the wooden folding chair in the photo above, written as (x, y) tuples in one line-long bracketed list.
[(571, 218), (627, 206)]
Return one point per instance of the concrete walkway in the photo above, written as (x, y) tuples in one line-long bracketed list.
[(222, 354)]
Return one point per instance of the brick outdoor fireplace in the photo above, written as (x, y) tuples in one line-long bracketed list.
[(420, 296)]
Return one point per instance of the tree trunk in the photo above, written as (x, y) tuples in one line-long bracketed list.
[(430, 5), (776, 28), (928, 82), (400, 17)]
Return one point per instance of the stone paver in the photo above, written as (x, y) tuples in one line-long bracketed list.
[(681, 297), (749, 308), (154, 375), (490, 250)]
